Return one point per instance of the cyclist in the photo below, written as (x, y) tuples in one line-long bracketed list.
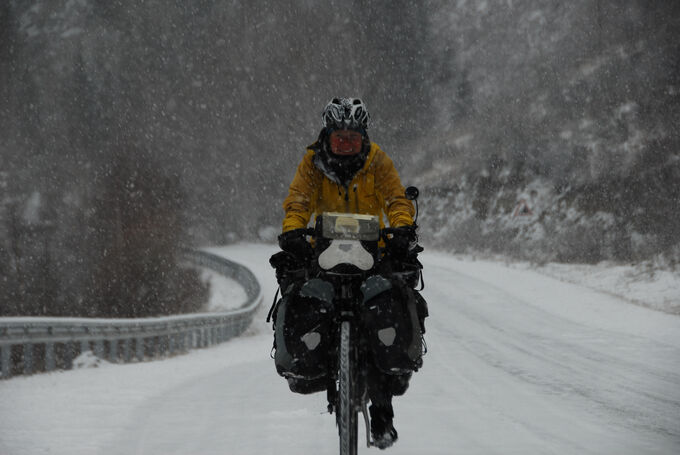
[(343, 171)]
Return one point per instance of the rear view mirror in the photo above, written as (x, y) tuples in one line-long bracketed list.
[(412, 193)]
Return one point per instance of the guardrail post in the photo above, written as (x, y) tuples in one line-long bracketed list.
[(49, 357), (165, 345), (69, 354), (28, 358), (157, 346), (84, 346), (126, 350), (113, 350), (99, 349), (139, 348), (6, 360)]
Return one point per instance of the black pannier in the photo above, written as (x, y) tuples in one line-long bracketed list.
[(303, 335), (393, 327)]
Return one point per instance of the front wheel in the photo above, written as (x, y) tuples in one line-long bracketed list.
[(347, 422)]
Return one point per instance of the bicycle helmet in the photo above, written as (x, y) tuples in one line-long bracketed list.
[(349, 113)]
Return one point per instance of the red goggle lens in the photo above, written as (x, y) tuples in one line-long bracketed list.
[(346, 145)]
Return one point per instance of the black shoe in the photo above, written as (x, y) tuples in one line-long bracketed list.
[(382, 430)]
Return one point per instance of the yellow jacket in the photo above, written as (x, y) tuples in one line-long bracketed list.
[(375, 190)]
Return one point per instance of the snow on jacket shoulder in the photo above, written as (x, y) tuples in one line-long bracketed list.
[(375, 190)]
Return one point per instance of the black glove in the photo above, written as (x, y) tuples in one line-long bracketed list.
[(295, 243), (284, 261), (402, 239), (289, 269)]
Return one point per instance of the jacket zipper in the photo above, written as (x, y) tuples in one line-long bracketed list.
[(347, 199)]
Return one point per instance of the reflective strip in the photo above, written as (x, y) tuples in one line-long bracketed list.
[(387, 336), (311, 340)]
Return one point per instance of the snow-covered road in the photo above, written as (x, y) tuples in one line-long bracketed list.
[(518, 363)]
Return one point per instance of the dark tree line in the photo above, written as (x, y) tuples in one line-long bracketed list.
[(137, 227)]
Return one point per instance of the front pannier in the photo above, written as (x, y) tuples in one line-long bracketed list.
[(393, 330), (303, 336)]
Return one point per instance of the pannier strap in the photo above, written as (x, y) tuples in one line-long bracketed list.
[(273, 307), (422, 281)]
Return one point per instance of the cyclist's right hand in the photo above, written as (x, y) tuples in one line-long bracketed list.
[(402, 239), (295, 243)]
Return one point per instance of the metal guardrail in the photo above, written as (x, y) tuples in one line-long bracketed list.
[(30, 344)]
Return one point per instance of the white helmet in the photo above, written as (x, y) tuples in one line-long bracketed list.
[(348, 113)]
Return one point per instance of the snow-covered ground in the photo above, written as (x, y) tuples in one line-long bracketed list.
[(225, 293), (519, 363)]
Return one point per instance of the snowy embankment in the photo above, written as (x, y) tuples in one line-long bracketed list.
[(518, 363), (641, 284)]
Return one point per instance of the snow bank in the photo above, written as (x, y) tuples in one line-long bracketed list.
[(639, 284), (225, 293)]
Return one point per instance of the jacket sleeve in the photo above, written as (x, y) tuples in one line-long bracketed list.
[(299, 204), (399, 210)]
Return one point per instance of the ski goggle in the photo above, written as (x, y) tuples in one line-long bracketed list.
[(346, 142)]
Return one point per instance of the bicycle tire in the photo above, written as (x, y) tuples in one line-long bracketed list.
[(348, 421)]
